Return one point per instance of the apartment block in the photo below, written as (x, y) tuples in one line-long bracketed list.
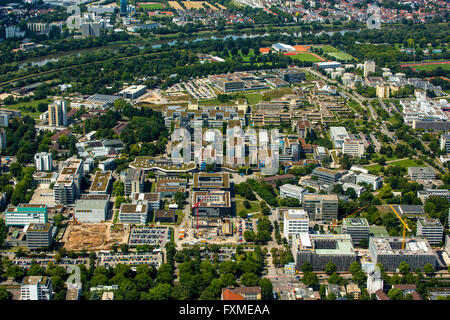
[(43, 161), (67, 186), (57, 113)]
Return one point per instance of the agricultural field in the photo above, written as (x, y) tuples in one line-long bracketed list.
[(196, 5), (175, 5)]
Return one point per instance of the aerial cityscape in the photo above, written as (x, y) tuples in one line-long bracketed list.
[(224, 150)]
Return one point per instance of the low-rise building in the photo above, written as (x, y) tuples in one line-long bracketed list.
[(327, 176), (357, 228), (241, 293), (101, 183), (133, 213), (91, 210), (169, 216), (421, 173), (26, 213), (292, 191), (39, 235), (371, 179), (321, 206), (153, 199)]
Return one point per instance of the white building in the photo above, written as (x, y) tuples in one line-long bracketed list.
[(295, 221), (369, 66), (375, 181), (43, 161), (292, 191), (133, 213), (358, 189), (339, 135), (90, 210), (374, 280), (36, 288), (354, 148), (133, 92), (2, 138), (431, 229), (445, 142)]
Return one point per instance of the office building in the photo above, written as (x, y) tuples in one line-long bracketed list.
[(167, 187), (67, 186), (169, 216), (153, 199), (319, 250), (134, 181), (374, 181), (326, 65), (357, 228), (369, 66), (39, 235), (214, 205), (424, 194), (91, 210), (133, 213), (388, 251), (354, 148), (43, 161), (292, 191), (57, 113), (321, 206), (101, 183), (241, 293), (36, 288), (421, 173), (338, 135), (358, 189), (4, 119), (327, 176), (26, 213), (133, 92), (431, 229), (445, 142), (208, 181), (295, 221)]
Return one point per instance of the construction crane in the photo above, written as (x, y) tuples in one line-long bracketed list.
[(354, 212), (203, 199), (405, 226)]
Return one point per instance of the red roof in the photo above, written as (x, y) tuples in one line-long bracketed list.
[(229, 295)]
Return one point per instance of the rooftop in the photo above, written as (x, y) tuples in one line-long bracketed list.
[(101, 181)]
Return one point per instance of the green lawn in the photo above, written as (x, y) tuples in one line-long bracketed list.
[(402, 163), (327, 48), (378, 231), (151, 6), (25, 107), (254, 206), (305, 57), (253, 98), (341, 56), (432, 67)]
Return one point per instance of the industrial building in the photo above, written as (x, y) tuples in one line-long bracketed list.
[(431, 229), (388, 251), (321, 206), (39, 235), (26, 213), (357, 228), (319, 250)]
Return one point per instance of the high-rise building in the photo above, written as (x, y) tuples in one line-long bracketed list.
[(134, 181), (67, 186), (374, 280), (369, 66), (36, 288), (43, 161), (354, 148), (123, 7), (57, 113), (4, 119), (295, 221), (2, 138), (445, 142)]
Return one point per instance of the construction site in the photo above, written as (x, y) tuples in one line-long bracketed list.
[(94, 236)]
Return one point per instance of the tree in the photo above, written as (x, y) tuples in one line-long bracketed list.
[(161, 291), (330, 268), (179, 198), (266, 289), (428, 269), (249, 279), (395, 294), (5, 295), (118, 188), (354, 267), (335, 279), (306, 267), (249, 236), (310, 279), (403, 268), (228, 280)]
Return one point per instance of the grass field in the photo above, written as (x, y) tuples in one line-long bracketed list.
[(151, 6), (305, 57), (401, 163), (429, 67), (253, 98), (25, 107), (327, 48), (378, 231), (254, 206), (341, 55)]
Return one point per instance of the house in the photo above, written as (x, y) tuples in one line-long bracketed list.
[(241, 293)]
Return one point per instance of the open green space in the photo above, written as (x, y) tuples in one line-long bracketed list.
[(151, 6), (305, 57), (341, 56), (429, 67), (378, 231), (29, 108), (253, 98), (254, 205)]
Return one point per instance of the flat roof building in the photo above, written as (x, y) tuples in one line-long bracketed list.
[(133, 92), (319, 250), (134, 181), (67, 186), (338, 135), (39, 235), (153, 199), (167, 187), (36, 288), (431, 229), (371, 179), (295, 221), (421, 173), (91, 210), (133, 213), (388, 251), (357, 228), (206, 181), (214, 205), (292, 191), (102, 182), (26, 213), (327, 176), (321, 206)]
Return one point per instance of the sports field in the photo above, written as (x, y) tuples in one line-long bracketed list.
[(150, 5), (304, 56)]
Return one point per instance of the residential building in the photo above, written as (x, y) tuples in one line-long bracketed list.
[(134, 182), (4, 119), (39, 235), (67, 186), (43, 161), (369, 66), (431, 229), (133, 213), (241, 293), (74, 291), (295, 221), (320, 249), (292, 191), (36, 288), (357, 228), (91, 210), (421, 173), (374, 181), (57, 113), (388, 251), (321, 206), (354, 290), (26, 213)]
